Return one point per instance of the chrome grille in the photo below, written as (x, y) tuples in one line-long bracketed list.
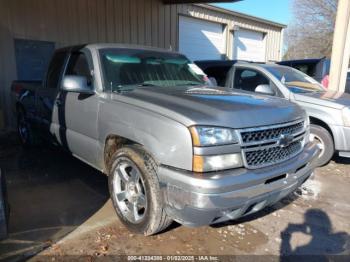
[(272, 155), (256, 136), (261, 146)]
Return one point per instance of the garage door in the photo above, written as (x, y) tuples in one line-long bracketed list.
[(199, 39), (249, 45)]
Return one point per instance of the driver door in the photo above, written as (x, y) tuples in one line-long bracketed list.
[(77, 114)]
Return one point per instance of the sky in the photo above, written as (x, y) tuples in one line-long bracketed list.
[(275, 10)]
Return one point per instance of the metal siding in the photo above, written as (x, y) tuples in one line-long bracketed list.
[(133, 22), (8, 72), (148, 22), (167, 25), (118, 25), (155, 23), (161, 29), (144, 22), (110, 16)]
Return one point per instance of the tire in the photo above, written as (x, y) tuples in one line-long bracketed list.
[(325, 140), (25, 131), (135, 191)]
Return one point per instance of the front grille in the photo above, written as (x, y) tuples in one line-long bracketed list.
[(272, 155), (256, 136), (261, 146)]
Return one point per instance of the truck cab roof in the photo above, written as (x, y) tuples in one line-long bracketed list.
[(97, 46)]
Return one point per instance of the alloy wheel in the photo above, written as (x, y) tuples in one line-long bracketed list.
[(129, 191)]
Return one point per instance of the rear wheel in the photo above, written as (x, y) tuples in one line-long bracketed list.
[(325, 142), (24, 129), (135, 191)]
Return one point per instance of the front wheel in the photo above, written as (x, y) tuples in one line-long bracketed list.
[(135, 191), (325, 142)]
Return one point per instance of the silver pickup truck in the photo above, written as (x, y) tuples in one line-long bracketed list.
[(329, 111), (173, 148)]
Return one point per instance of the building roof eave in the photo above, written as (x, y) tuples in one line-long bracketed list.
[(230, 12)]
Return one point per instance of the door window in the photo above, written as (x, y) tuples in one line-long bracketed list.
[(249, 79), (79, 66)]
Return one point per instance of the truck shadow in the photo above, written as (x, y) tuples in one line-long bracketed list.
[(323, 241), (50, 194)]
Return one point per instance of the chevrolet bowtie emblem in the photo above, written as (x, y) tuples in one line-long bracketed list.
[(285, 140)]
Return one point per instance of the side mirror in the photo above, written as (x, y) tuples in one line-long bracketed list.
[(76, 84), (265, 89)]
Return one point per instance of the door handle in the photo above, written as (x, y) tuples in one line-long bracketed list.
[(58, 102)]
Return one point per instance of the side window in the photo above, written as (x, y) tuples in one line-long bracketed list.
[(249, 79), (79, 66), (55, 69)]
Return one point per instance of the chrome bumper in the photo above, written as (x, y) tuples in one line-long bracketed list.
[(195, 200), (341, 136)]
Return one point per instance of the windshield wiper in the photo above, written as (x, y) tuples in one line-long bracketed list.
[(145, 84), (190, 84)]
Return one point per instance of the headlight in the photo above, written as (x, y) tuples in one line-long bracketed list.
[(204, 136), (346, 116), (212, 136), (215, 163)]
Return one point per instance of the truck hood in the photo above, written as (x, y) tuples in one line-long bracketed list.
[(331, 99), (213, 106)]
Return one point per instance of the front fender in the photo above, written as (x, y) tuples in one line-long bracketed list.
[(168, 141)]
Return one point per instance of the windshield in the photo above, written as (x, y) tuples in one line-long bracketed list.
[(127, 69), (294, 80)]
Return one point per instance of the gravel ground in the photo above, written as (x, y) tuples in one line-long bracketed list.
[(60, 207)]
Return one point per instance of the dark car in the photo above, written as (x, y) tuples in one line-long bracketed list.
[(4, 208), (317, 68)]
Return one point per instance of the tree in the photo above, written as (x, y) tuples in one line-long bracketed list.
[(311, 33)]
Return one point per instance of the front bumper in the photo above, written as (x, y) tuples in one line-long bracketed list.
[(341, 136), (203, 199)]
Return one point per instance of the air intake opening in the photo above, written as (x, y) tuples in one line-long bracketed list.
[(300, 168), (274, 179), (249, 209)]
